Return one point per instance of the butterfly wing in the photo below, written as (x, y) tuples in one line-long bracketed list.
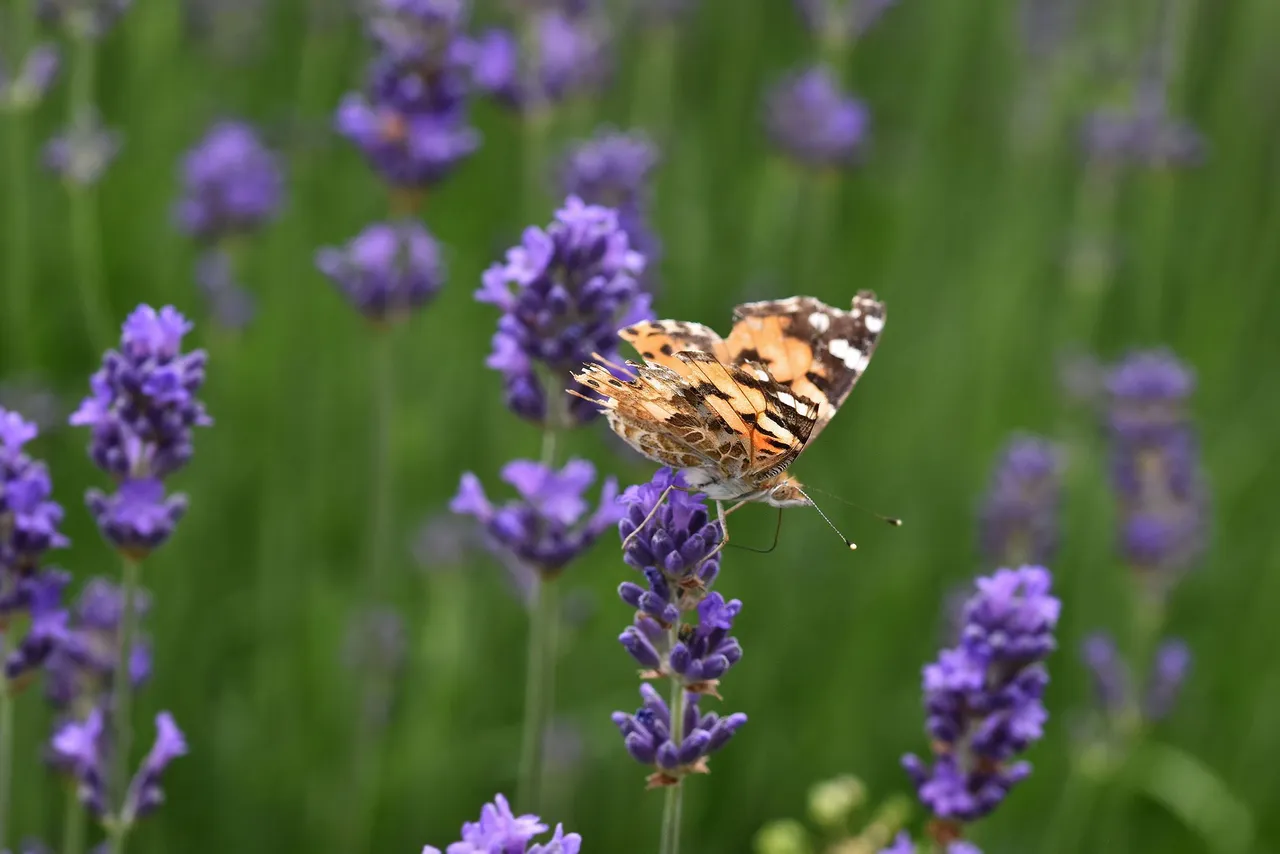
[(815, 351), (659, 341)]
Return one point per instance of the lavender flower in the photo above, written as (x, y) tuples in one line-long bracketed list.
[(231, 184), (564, 293), (549, 525), (142, 410), (571, 59), (1109, 672), (84, 19), (1168, 673), (84, 748), (81, 155), (410, 121), (30, 81), (1142, 137), (1155, 470), (652, 740), (1019, 518), (841, 21), (500, 831), (79, 673), (28, 528), (810, 120), (613, 170), (387, 271), (983, 697), (902, 844)]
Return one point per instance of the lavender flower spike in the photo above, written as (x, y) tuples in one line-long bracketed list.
[(564, 293), (387, 271), (549, 525), (1019, 518), (500, 831), (674, 753), (983, 697), (28, 83), (83, 747), (78, 674), (811, 121), (142, 410), (231, 184), (613, 169), (902, 844)]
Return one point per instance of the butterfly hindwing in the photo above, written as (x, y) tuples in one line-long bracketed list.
[(658, 342)]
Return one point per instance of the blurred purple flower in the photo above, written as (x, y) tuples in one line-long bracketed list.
[(613, 169), (983, 698), (81, 155), (1155, 468), (30, 80), (902, 844), (387, 271), (1019, 518), (418, 31), (572, 59), (442, 541), (142, 411), (28, 519), (231, 305), (549, 524), (408, 150), (80, 670), (1168, 674), (500, 831), (674, 753), (1110, 673), (810, 120), (231, 184), (1142, 137), (841, 21), (90, 19), (39, 595), (564, 293), (83, 747)]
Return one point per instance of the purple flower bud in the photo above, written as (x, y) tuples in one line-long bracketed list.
[(811, 121), (1168, 673), (570, 59), (231, 184), (387, 271), (650, 739), (81, 155), (1110, 675), (1019, 518), (138, 518), (549, 525), (81, 668)]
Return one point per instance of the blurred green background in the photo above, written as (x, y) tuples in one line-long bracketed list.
[(967, 216)]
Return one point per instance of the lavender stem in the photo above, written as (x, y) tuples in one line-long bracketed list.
[(19, 252), (121, 708), (673, 804), (383, 384), (86, 249), (6, 742), (72, 825)]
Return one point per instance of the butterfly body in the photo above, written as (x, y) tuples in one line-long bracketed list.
[(733, 413)]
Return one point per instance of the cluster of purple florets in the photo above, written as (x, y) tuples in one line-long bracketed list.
[(143, 410), (1018, 522), (677, 551), (984, 696), (564, 293)]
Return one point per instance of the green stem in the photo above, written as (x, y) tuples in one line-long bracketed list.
[(86, 248), (1090, 263), (122, 708), (540, 664), (382, 382), (673, 804), (1072, 808), (19, 248), (72, 824), (6, 744)]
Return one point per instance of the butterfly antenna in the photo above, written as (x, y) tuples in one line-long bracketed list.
[(850, 544), (888, 520)]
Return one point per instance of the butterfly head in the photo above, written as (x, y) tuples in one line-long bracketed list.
[(787, 492)]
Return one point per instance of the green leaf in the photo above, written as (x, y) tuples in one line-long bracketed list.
[(1195, 795)]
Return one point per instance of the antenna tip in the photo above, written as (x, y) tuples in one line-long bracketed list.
[(894, 521), (853, 547)]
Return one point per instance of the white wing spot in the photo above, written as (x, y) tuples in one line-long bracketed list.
[(763, 375), (820, 322), (788, 400), (874, 323), (853, 358)]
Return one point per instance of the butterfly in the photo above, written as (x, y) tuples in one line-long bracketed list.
[(732, 414)]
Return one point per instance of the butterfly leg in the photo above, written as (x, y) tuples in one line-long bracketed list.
[(662, 499)]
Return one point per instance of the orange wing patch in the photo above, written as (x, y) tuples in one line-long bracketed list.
[(658, 342)]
